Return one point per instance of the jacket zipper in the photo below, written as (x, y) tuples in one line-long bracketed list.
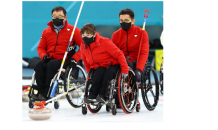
[(92, 56), (56, 42), (127, 44)]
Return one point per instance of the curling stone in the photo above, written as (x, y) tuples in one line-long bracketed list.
[(25, 93), (76, 93), (39, 112)]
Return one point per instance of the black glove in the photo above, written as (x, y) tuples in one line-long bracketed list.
[(124, 76), (70, 62), (138, 74), (71, 50), (73, 63), (46, 58)]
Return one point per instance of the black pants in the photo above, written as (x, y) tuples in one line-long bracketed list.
[(101, 77), (45, 73)]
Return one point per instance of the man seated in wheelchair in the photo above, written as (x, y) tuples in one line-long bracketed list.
[(100, 54), (129, 38), (51, 50)]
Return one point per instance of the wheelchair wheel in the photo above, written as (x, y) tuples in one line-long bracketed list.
[(161, 78), (94, 108), (150, 87), (114, 110), (56, 104), (162, 88), (84, 110), (88, 85), (34, 90), (75, 78), (137, 108), (128, 92)]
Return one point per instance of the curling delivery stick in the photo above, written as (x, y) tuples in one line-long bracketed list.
[(145, 17), (42, 103), (71, 37)]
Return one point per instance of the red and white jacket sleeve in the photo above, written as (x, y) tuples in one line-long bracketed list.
[(87, 66), (78, 40), (144, 52), (115, 52)]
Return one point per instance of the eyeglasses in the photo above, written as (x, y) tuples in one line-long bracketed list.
[(125, 20), (87, 35), (59, 17)]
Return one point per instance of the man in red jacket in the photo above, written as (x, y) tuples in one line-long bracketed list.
[(51, 49), (100, 54), (128, 38)]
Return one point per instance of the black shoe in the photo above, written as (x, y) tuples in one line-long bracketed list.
[(41, 97), (92, 97), (31, 92), (101, 98)]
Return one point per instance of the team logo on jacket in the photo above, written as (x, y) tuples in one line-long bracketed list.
[(135, 35), (68, 29), (70, 48)]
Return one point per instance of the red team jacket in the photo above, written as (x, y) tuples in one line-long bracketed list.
[(129, 41), (55, 45), (102, 53)]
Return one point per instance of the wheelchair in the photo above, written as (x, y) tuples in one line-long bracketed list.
[(127, 92), (149, 87), (73, 81), (161, 77)]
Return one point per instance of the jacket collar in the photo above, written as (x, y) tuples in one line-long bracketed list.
[(50, 24)]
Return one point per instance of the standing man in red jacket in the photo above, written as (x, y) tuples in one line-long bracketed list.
[(51, 49), (128, 39)]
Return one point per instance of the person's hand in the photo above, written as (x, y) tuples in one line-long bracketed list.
[(124, 76), (71, 50), (70, 62), (138, 74), (46, 58), (73, 63)]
